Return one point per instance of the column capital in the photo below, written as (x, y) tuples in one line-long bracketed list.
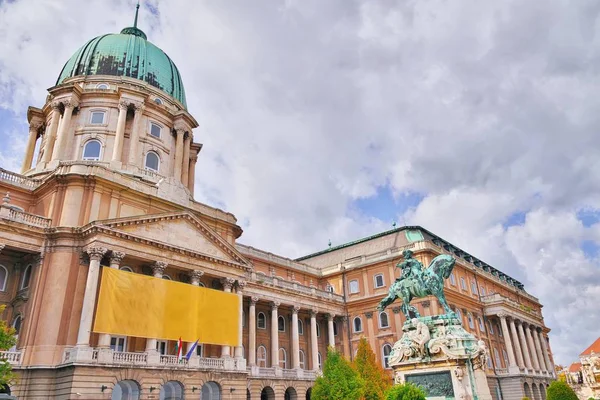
[(502, 315), (123, 104), (179, 130), (96, 253), (35, 125), (330, 317), (295, 309), (138, 106), (275, 305), (55, 105), (253, 300), (227, 283), (369, 314), (344, 318), (313, 313), (116, 257), (159, 267), (70, 103), (195, 275), (241, 285)]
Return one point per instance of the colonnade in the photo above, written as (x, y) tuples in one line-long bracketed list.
[(525, 344)]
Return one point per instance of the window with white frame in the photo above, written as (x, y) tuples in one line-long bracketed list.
[(261, 321), (3, 277), (199, 350), (353, 286), (91, 150), (499, 330), (385, 352), (482, 290), (481, 324), (453, 279), (491, 327), (300, 327), (152, 161), (319, 360), (505, 357), (459, 315), (167, 277), (473, 287), (497, 358), (470, 321), (318, 329), (463, 284), (118, 343), (26, 278), (281, 323), (17, 327), (384, 320), (261, 356), (301, 359), (379, 282), (97, 117), (489, 363), (126, 269), (161, 347), (282, 358), (102, 86), (155, 129), (158, 101), (357, 322)]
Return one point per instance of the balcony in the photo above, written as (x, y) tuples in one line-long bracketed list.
[(524, 372), (498, 299), (13, 357), (11, 213), (273, 373), (18, 180)]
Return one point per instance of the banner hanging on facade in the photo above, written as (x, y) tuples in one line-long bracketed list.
[(142, 306)]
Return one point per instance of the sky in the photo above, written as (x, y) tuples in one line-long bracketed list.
[(331, 120)]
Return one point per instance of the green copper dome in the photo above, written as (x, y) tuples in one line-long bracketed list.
[(126, 54)]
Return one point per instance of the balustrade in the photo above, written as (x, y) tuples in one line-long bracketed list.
[(26, 218), (13, 357)]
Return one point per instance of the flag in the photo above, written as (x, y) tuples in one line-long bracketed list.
[(191, 350), (179, 350)]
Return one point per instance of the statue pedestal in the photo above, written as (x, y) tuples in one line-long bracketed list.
[(438, 355)]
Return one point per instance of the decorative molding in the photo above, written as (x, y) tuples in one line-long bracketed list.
[(313, 313), (96, 253), (330, 317), (275, 305), (369, 314), (241, 285), (227, 283), (502, 315), (116, 257), (195, 275), (159, 267), (295, 309), (253, 300), (123, 104), (396, 310)]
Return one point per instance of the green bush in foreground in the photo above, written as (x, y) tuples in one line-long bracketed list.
[(560, 391), (407, 391)]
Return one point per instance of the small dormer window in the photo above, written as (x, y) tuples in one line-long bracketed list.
[(97, 117), (102, 86), (155, 130), (158, 101)]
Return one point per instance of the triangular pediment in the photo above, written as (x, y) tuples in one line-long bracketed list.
[(178, 230)]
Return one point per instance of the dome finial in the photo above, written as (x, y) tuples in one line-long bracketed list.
[(134, 30), (137, 10)]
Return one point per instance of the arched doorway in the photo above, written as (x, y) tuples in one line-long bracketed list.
[(172, 390), (536, 392), (248, 395), (290, 394), (527, 390), (211, 391), (4, 389), (308, 393), (267, 393), (126, 390)]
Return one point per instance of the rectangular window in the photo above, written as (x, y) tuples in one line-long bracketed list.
[(199, 350), (482, 290), (452, 279), (161, 347), (379, 283), (155, 130), (473, 287), (118, 343), (97, 117), (463, 284), (353, 286)]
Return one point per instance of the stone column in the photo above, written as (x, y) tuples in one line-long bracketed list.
[(239, 350), (192, 174), (525, 346), (186, 159), (34, 127), (538, 349), (63, 135), (549, 365), (274, 335), (115, 261), (89, 298), (531, 345), (227, 286), (314, 344), (252, 332), (51, 133), (120, 132), (134, 138), (515, 339), (158, 269), (345, 338), (178, 153), (330, 333), (194, 281), (370, 329), (512, 364), (295, 339)]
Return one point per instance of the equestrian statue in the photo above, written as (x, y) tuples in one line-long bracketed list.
[(416, 282)]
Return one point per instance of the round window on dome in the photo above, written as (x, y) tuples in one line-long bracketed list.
[(158, 101), (102, 86)]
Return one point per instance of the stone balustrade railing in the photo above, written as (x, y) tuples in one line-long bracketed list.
[(282, 373), (496, 297), (129, 358), (13, 357), (523, 371), (18, 180), (23, 217), (276, 281)]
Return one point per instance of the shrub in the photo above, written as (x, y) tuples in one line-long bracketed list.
[(560, 391), (407, 391), (376, 379)]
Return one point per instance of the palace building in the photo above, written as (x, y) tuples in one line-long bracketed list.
[(108, 183)]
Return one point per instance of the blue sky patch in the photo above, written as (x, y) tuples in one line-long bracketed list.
[(385, 207)]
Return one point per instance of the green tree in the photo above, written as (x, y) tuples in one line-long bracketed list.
[(339, 380), (560, 391), (378, 381), (407, 391), (7, 340)]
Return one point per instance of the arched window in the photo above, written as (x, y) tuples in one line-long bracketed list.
[(459, 315), (318, 329), (473, 287), (158, 101), (301, 359), (102, 86), (470, 320), (3, 277), (463, 284), (330, 288), (17, 324), (385, 352), (505, 356), (378, 281), (491, 327), (281, 323), (167, 277), (126, 390), (335, 331), (261, 356), (152, 161), (357, 322), (126, 269), (453, 279), (499, 330), (300, 327), (481, 324), (91, 150), (482, 290), (319, 360), (201, 284), (261, 321), (26, 277), (172, 390), (282, 358), (210, 391), (383, 320), (497, 358)]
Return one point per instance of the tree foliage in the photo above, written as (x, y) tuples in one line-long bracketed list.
[(339, 380), (560, 391), (407, 391), (378, 381), (7, 340)]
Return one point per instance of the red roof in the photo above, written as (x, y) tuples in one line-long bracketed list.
[(595, 347), (575, 367)]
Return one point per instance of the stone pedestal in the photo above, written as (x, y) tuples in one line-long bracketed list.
[(438, 355)]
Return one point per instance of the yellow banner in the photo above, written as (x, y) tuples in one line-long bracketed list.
[(143, 306)]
